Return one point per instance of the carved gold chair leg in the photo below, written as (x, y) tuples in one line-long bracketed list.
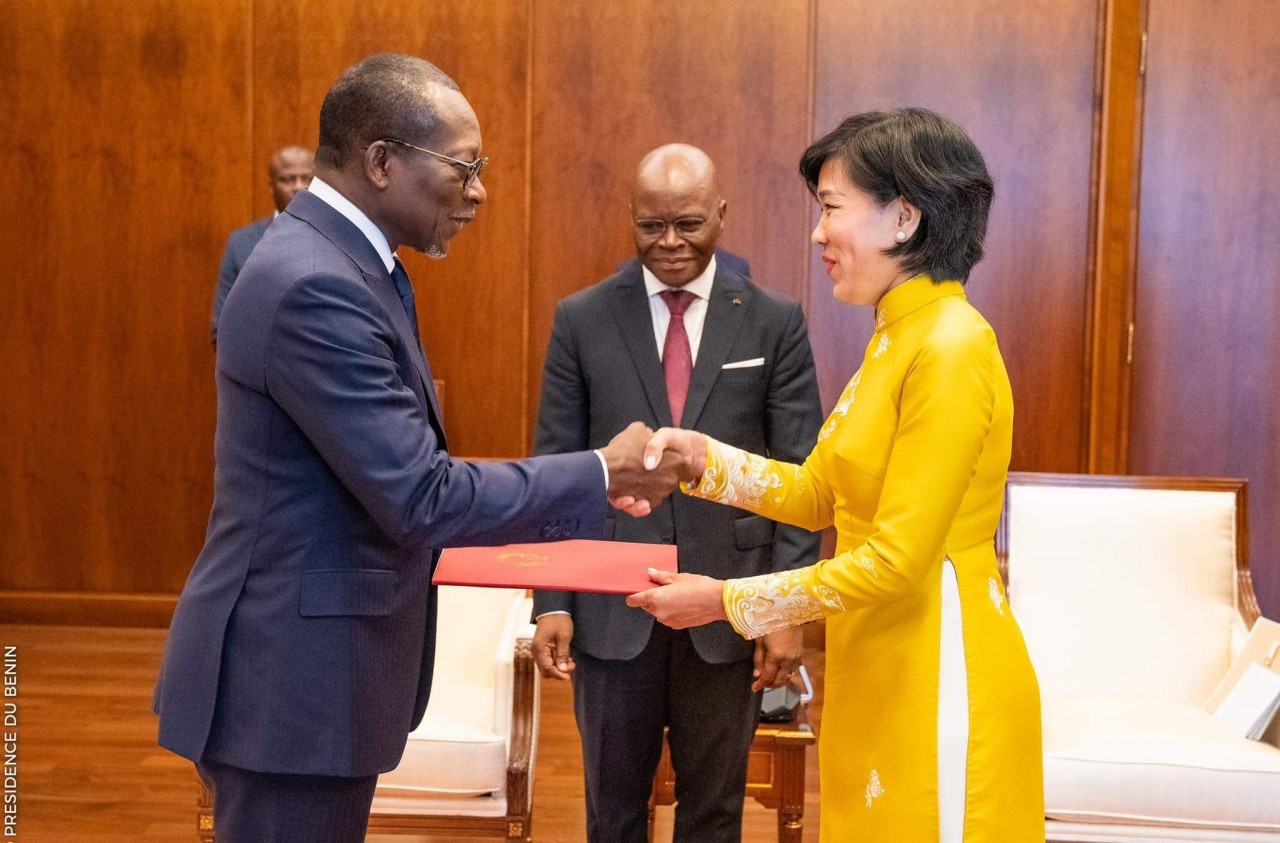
[(204, 815)]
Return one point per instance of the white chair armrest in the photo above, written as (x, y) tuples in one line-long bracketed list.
[(517, 626)]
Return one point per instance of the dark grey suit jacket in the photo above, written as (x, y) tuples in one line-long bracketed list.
[(239, 246), (603, 372), (304, 638)]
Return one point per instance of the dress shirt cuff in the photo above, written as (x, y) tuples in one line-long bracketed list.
[(604, 465), (537, 618)]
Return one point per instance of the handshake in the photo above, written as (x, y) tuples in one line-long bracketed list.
[(645, 467)]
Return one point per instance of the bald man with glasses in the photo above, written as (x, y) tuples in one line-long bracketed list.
[(677, 337)]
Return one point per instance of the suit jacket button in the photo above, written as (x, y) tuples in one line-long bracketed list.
[(666, 540), (546, 532)]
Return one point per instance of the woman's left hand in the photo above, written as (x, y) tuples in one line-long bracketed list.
[(681, 600)]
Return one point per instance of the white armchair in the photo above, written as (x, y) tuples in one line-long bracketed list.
[(468, 768), (1134, 594)]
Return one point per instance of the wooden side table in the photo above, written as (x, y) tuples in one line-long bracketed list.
[(775, 774)]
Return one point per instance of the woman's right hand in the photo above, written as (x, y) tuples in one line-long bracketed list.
[(689, 444)]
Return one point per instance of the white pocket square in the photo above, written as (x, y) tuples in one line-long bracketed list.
[(744, 364)]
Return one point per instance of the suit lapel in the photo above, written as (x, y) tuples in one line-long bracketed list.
[(384, 288), (344, 234), (630, 307), (719, 330)]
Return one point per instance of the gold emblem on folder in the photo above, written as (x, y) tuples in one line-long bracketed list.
[(522, 560)]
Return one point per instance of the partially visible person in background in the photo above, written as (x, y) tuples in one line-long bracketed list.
[(291, 170)]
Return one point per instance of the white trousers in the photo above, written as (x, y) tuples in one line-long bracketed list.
[(953, 713)]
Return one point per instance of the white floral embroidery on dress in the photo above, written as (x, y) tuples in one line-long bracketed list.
[(997, 597), (740, 479), (842, 407), (882, 346), (879, 318), (767, 603), (869, 565), (874, 788)]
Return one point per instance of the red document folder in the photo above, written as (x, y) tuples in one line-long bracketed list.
[(576, 565)]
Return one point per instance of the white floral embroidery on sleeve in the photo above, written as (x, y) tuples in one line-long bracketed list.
[(738, 478), (757, 606), (743, 479)]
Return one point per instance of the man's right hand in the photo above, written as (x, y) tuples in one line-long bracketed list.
[(628, 478), (551, 646)]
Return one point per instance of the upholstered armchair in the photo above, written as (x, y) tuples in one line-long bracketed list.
[(1134, 594), (468, 768)]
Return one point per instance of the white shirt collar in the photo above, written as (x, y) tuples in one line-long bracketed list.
[(327, 194), (700, 286)]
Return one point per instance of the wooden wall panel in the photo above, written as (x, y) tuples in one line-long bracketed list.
[(1206, 376), (612, 81), (472, 304), (138, 132), (1115, 227), (125, 164), (1021, 81)]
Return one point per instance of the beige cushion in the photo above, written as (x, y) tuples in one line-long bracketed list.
[(1124, 593), (1148, 763), (1072, 832), (461, 747)]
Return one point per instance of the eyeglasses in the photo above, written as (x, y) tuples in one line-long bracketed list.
[(685, 227), (473, 168)]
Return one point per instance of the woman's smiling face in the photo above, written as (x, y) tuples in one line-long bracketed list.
[(854, 232)]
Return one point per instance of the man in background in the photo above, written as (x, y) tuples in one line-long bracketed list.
[(677, 338), (291, 170)]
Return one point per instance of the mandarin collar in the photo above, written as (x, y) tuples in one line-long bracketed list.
[(910, 296)]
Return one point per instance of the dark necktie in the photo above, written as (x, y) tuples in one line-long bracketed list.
[(677, 357), (405, 290)]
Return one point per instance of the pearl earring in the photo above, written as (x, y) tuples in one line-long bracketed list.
[(901, 237)]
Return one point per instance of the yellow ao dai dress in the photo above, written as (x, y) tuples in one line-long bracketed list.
[(910, 468)]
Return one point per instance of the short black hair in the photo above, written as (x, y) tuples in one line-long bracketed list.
[(387, 95), (929, 161)]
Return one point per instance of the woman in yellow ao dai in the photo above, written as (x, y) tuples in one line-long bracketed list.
[(931, 724)]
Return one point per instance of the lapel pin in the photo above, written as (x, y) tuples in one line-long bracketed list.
[(737, 301)]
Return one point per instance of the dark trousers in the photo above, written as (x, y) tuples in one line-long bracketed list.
[(622, 706), (251, 807)]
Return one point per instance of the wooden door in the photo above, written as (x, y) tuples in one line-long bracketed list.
[(1206, 363), (1021, 80)]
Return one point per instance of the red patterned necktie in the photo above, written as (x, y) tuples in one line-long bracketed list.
[(677, 357)]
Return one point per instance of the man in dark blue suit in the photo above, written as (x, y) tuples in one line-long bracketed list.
[(300, 654), (292, 168)]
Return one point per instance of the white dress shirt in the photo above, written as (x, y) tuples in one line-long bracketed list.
[(344, 206), (694, 317)]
